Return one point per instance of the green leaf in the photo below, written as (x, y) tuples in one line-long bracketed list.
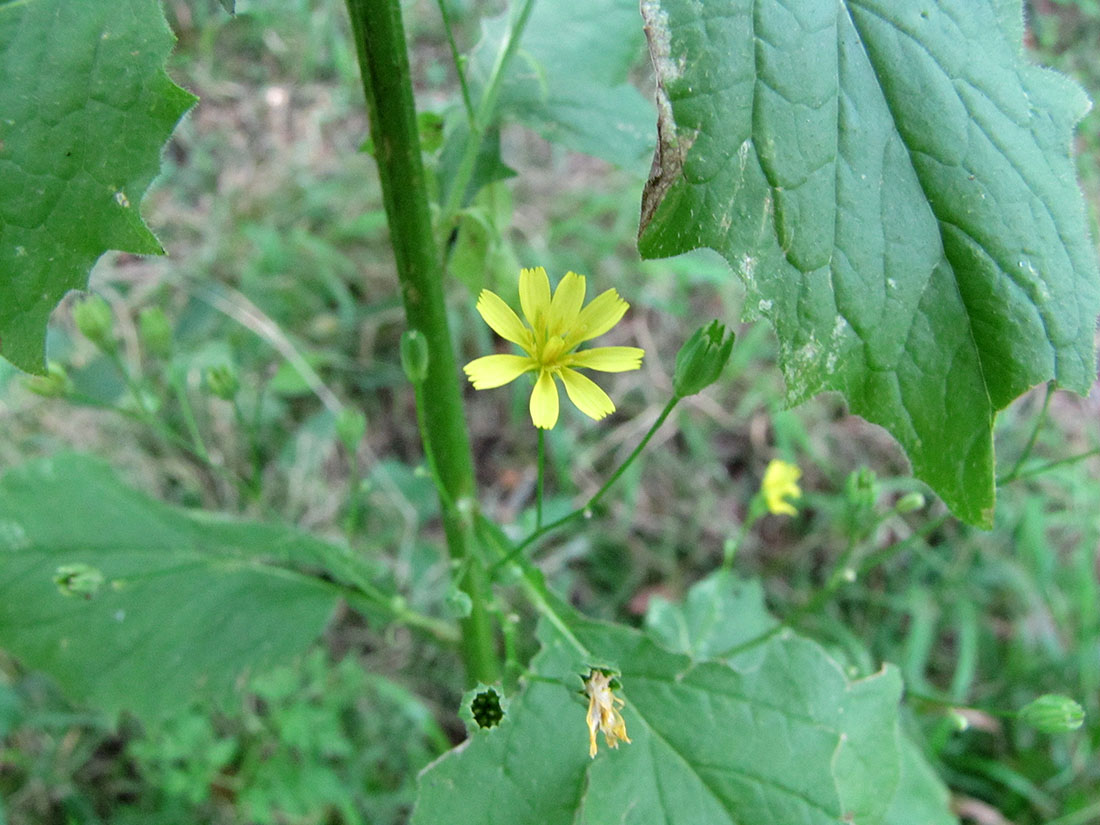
[(567, 80), (721, 612), (488, 166), (189, 601), (787, 739), (891, 181), (921, 797), (86, 109)]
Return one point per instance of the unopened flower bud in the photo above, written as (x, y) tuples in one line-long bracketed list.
[(414, 355), (351, 426), (222, 381), (78, 580), (54, 384), (701, 359), (1052, 713), (910, 502), (156, 332), (861, 488), (94, 320)]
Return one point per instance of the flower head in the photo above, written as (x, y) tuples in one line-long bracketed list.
[(556, 325), (780, 487), (603, 712)]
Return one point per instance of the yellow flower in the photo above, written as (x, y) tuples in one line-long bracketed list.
[(555, 327), (603, 712), (781, 484)]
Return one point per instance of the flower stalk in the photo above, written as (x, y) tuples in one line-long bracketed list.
[(384, 65)]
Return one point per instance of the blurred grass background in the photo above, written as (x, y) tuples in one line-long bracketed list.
[(278, 256)]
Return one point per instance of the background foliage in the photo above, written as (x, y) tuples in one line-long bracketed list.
[(279, 272)]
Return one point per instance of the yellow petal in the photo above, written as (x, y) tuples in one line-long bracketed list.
[(608, 359), (605, 310), (497, 370), (534, 296), (565, 306), (589, 398), (544, 402), (502, 319), (780, 484)]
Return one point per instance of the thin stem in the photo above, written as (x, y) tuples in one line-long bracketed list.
[(457, 58), (255, 458), (592, 502), (837, 577), (483, 117), (729, 552), (188, 414), (541, 472), (384, 66), (530, 580), (1050, 465), (1014, 473)]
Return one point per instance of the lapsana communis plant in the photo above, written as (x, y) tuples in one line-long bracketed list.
[(895, 260)]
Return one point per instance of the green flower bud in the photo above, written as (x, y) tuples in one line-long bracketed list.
[(54, 384), (701, 359), (430, 126), (351, 426), (414, 356), (94, 320), (78, 580), (1052, 713), (156, 332), (861, 488), (222, 381), (458, 603), (910, 502)]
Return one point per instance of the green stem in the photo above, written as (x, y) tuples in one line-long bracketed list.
[(482, 119), (729, 552), (837, 577), (1014, 473), (457, 58), (189, 419), (384, 66), (539, 483), (530, 579), (592, 502), (255, 458), (1050, 465)]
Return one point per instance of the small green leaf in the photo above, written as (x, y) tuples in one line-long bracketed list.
[(891, 181), (187, 602), (719, 613), (488, 167), (86, 109)]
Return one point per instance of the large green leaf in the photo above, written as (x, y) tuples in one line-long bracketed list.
[(568, 79), (721, 612), (86, 107), (891, 181), (786, 738), (188, 602)]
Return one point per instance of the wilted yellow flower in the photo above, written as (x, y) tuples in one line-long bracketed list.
[(555, 327), (603, 712), (780, 486)]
